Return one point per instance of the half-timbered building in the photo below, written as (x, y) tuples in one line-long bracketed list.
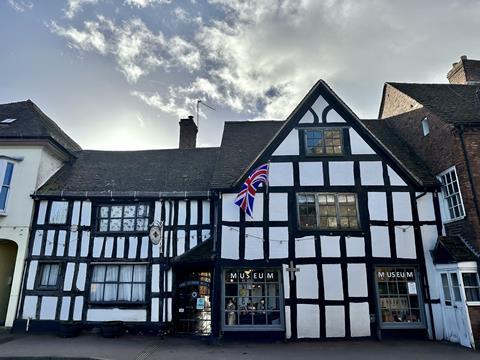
[(338, 245)]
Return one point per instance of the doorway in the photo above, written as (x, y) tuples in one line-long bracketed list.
[(8, 256), (193, 312), (455, 313)]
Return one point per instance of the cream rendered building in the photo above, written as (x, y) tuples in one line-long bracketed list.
[(32, 149)]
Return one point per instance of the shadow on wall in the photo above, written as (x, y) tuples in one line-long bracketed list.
[(8, 255)]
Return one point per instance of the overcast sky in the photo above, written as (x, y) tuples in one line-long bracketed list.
[(118, 74)]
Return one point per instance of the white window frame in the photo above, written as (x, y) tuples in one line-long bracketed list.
[(470, 303), (444, 204)]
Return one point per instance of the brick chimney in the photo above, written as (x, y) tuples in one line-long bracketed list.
[(466, 72), (188, 133)]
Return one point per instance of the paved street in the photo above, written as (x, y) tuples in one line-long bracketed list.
[(149, 347)]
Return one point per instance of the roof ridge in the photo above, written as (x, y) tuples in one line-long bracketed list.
[(147, 150)]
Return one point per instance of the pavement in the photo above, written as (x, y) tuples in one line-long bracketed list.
[(145, 347)]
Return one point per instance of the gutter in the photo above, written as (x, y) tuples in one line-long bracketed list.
[(120, 194)]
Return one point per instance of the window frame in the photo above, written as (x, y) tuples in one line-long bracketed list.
[(337, 212), (40, 269), (99, 218), (123, 303), (251, 327), (421, 305), (444, 203), (322, 130), (470, 302), (7, 186)]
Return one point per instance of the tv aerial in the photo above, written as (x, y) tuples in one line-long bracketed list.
[(200, 102)]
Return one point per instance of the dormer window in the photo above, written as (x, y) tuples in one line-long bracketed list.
[(425, 127), (321, 142), (452, 198)]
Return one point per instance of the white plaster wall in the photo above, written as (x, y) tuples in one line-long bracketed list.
[(30, 307), (50, 242), (281, 174), (37, 242), (85, 243), (157, 215), (357, 280), (180, 242), (155, 278), (308, 321), (193, 212), (429, 239), (335, 321), (69, 273), (62, 234), (307, 282), (32, 272), (288, 323), (108, 253), (144, 248), (426, 211), (230, 211), (278, 206), (395, 179), (206, 212), (230, 243), (257, 214), (58, 212), (254, 243), (358, 145), (65, 309), (402, 209), (380, 241), (42, 212), (377, 206), (405, 242), (311, 173), (127, 315), (72, 243), (289, 145), (49, 165), (371, 172), (120, 247), (97, 246), (78, 308), (307, 118), (330, 246), (86, 213), (278, 242), (332, 281), (319, 105), (155, 316), (305, 247), (182, 212), (341, 173), (334, 117), (81, 276), (355, 246), (286, 281), (76, 212), (132, 247), (359, 319), (48, 307)]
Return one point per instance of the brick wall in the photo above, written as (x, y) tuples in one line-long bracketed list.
[(474, 313), (440, 150)]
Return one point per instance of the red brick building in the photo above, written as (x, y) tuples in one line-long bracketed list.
[(441, 124)]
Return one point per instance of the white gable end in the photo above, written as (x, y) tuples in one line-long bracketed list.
[(289, 145)]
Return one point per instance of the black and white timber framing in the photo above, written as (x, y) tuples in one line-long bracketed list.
[(331, 294)]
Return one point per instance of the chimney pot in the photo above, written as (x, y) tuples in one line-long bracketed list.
[(188, 133)]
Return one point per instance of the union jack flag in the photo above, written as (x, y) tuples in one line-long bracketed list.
[(246, 196)]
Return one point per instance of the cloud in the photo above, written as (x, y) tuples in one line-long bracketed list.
[(74, 6), (20, 5), (136, 49), (145, 3)]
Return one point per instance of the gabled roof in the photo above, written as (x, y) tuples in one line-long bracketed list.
[(455, 104), (242, 141), (383, 144), (32, 124), (154, 171), (399, 148)]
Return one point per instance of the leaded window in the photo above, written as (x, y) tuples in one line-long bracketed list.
[(118, 283), (471, 286), (326, 211), (323, 142), (123, 218), (451, 194)]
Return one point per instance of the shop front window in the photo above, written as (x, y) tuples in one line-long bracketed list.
[(252, 299), (398, 296)]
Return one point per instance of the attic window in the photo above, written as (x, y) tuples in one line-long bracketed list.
[(7, 121), (425, 127)]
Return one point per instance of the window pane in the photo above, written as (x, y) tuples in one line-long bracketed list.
[(45, 275), (125, 292), (103, 225), (129, 211), (8, 174), (3, 197), (52, 280), (140, 273), (104, 211), (116, 211), (126, 273), (110, 292), (128, 224), (112, 273), (142, 224), (470, 279), (96, 292), (115, 224), (98, 273), (138, 292), (142, 211)]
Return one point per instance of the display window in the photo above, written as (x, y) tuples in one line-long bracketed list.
[(253, 298), (399, 298)]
